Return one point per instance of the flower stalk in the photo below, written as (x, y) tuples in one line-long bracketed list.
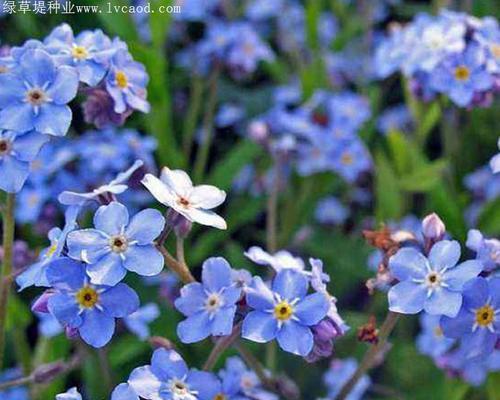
[(5, 283)]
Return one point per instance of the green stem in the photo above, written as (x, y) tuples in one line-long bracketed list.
[(207, 134), (8, 244), (23, 350), (371, 355), (193, 111), (254, 364), (221, 346)]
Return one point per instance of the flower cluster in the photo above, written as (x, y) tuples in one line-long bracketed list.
[(39, 79), (452, 53), (458, 300)]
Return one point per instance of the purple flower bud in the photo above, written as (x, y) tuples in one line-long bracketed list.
[(71, 333), (98, 109), (258, 132), (179, 224), (324, 333), (48, 372), (433, 227), (41, 304)]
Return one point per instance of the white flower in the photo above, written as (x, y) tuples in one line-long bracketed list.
[(278, 261), (175, 189)]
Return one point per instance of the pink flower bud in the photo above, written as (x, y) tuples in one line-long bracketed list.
[(40, 304), (433, 227)]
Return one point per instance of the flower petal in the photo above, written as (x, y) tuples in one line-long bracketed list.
[(111, 219), (65, 309), (124, 392), (312, 309), (108, 270), (445, 253), (119, 301), (443, 302), (63, 89), (145, 383), (204, 217), (145, 226), (222, 324), (295, 338), (458, 326), (206, 196), (456, 277), (88, 245), (290, 284), (177, 181), (194, 328), (259, 296), (168, 364), (407, 297), (192, 299), (143, 260), (97, 328), (66, 274), (216, 274), (408, 263), (53, 119), (259, 327), (159, 190)]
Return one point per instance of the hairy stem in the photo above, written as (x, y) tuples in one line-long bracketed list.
[(5, 283), (180, 268), (207, 132), (180, 250), (371, 355), (221, 346)]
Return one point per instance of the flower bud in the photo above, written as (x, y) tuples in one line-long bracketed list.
[(179, 224), (160, 342), (41, 304), (48, 372), (433, 227)]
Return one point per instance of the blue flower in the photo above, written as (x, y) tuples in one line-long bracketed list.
[(34, 95), (138, 321), (478, 321), (30, 202), (124, 392), (118, 245), (339, 373), (71, 394), (396, 118), (462, 76), (90, 309), (126, 83), (16, 392), (17, 151), (286, 312), (487, 249), (89, 52), (168, 378), (352, 159), (431, 340), (209, 306), (330, 210), (434, 283), (36, 273)]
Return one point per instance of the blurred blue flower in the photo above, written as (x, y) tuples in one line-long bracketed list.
[(169, 378), (30, 202), (229, 114), (431, 340), (117, 245), (16, 392), (433, 283), (340, 371), (487, 249), (89, 52), (286, 312), (34, 94), (89, 309), (477, 323), (138, 322), (462, 76), (209, 306), (352, 159), (17, 152), (330, 210), (396, 118), (126, 83), (36, 273)]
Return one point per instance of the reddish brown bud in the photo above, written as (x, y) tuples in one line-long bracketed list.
[(368, 332)]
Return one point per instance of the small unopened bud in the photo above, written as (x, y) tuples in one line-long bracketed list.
[(48, 372), (71, 333), (159, 342), (258, 131), (433, 227), (368, 332), (179, 224)]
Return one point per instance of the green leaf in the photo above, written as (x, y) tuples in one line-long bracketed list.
[(493, 386), (429, 118), (227, 168), (18, 313), (118, 23), (489, 220), (125, 349), (389, 200), (425, 178), (449, 208)]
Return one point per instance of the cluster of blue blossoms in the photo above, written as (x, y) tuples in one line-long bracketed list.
[(452, 53)]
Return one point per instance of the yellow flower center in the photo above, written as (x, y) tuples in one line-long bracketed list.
[(121, 79), (283, 311), (347, 159), (36, 97), (495, 50), (87, 297), (485, 315), (51, 250), (220, 396), (462, 73), (80, 52)]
